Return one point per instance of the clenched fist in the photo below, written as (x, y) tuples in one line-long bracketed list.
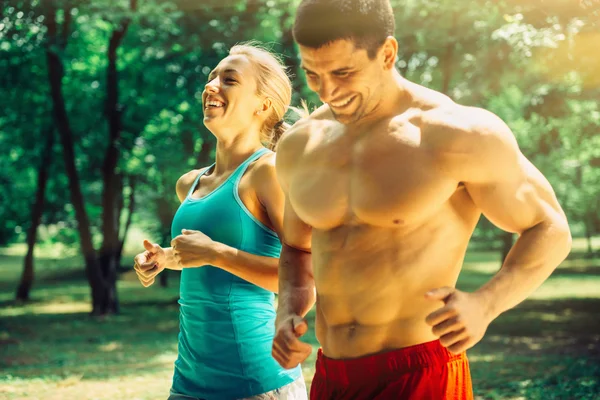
[(149, 263), (288, 350)]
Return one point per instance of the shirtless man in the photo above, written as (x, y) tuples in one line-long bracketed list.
[(384, 185)]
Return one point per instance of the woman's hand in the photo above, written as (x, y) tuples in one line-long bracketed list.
[(194, 249), (149, 263)]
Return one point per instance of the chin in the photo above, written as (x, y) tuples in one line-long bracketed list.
[(209, 119), (347, 119), (209, 122)]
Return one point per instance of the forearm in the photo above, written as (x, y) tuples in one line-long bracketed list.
[(296, 282), (259, 270), (532, 259)]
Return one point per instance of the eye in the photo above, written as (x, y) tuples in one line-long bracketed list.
[(230, 80), (342, 74)]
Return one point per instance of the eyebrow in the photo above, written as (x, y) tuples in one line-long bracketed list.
[(343, 69), (306, 69), (228, 70)]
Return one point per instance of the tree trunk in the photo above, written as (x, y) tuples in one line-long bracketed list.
[(112, 196), (507, 243), (61, 119), (36, 217), (164, 278), (588, 236), (165, 241), (130, 211)]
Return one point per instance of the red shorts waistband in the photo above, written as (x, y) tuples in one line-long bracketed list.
[(402, 360)]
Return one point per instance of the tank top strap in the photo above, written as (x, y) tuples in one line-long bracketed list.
[(195, 184), (239, 172)]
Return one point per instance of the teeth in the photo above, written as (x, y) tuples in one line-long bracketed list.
[(342, 103), (214, 103)]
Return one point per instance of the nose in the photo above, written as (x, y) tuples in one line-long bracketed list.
[(326, 89), (213, 86)]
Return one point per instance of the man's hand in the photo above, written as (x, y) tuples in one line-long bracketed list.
[(287, 350), (193, 249), (461, 322), (149, 263)]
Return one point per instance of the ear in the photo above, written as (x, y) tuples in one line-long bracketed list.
[(389, 51), (266, 104)]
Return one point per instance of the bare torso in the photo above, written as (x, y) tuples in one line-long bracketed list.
[(389, 223)]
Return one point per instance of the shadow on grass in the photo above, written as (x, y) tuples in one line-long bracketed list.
[(542, 349), (142, 338), (53, 336), (588, 270)]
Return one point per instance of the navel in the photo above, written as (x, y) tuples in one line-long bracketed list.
[(352, 330)]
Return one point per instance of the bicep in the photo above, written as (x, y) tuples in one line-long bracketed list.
[(516, 197), (296, 233)]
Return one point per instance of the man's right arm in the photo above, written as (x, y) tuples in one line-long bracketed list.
[(296, 283)]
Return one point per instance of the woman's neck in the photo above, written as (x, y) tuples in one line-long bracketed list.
[(231, 153)]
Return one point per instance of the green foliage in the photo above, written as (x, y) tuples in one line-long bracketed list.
[(533, 64)]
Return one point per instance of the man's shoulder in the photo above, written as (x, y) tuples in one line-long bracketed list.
[(456, 128), (306, 130)]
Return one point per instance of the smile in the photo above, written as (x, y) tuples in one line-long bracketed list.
[(214, 104), (342, 103)]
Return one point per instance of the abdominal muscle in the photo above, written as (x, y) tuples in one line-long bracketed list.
[(371, 283)]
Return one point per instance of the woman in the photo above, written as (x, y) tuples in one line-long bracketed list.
[(226, 240)]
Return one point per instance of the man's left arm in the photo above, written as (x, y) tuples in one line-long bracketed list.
[(514, 195)]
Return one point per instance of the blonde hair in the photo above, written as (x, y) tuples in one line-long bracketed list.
[(272, 82)]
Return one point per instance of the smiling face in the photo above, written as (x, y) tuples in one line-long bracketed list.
[(346, 78), (230, 96)]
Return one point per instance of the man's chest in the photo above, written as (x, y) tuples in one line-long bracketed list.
[(387, 183)]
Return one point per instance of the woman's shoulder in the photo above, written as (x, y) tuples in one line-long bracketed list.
[(262, 174), (185, 182), (264, 166)]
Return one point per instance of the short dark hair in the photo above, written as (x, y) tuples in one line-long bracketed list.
[(366, 22)]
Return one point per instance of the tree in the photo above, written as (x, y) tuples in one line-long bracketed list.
[(36, 215), (56, 43)]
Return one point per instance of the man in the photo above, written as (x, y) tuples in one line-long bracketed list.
[(384, 185)]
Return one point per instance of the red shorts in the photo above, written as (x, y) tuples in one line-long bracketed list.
[(423, 372)]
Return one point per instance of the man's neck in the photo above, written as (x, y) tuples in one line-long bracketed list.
[(395, 98)]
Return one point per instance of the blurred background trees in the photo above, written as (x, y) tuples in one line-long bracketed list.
[(101, 107)]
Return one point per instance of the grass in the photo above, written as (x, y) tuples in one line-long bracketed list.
[(547, 348)]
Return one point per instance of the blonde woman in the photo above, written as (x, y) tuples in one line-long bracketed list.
[(226, 240)]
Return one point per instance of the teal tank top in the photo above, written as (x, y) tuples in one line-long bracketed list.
[(226, 324)]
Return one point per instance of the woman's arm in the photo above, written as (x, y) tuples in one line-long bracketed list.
[(193, 248)]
